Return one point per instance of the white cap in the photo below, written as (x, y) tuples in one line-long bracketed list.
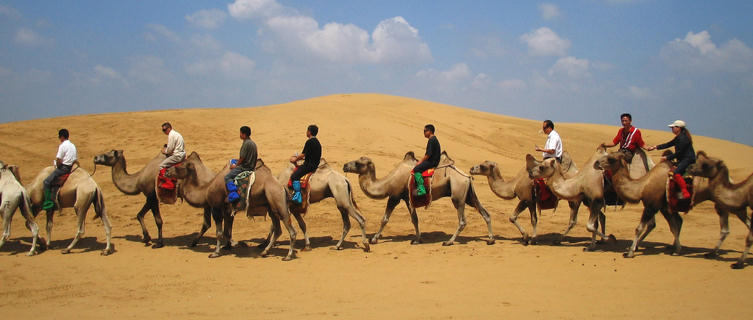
[(677, 123)]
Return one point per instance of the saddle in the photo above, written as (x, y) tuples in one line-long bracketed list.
[(674, 194), (610, 195), (57, 184), (417, 201), (244, 181), (302, 207), (545, 198), (167, 188)]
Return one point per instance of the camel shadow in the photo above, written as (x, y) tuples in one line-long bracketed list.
[(17, 246), (429, 238)]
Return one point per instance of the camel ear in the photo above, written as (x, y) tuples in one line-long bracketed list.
[(701, 153), (410, 156), (530, 161), (16, 172)]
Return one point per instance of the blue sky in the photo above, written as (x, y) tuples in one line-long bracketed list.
[(569, 61)]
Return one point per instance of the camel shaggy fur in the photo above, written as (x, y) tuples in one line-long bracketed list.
[(13, 195)]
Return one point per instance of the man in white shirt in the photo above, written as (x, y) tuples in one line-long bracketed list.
[(64, 160), (553, 145), (174, 149)]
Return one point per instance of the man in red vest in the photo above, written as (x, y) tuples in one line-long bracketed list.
[(628, 137)]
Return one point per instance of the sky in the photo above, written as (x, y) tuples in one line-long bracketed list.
[(569, 61)]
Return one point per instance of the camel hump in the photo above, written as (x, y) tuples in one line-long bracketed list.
[(702, 153), (259, 163), (445, 159), (194, 154), (410, 156), (16, 172)]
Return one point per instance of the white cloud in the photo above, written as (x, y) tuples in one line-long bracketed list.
[(512, 84), (206, 42), (209, 19), (488, 47), (696, 52), (393, 40), (31, 38), (549, 11), (571, 67), (157, 31), (545, 42), (151, 70), (456, 73), (103, 73), (9, 12), (230, 64), (639, 93)]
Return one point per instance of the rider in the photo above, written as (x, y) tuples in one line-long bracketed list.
[(312, 154), (64, 160), (246, 162), (553, 145), (430, 159), (174, 149), (628, 137), (684, 153)]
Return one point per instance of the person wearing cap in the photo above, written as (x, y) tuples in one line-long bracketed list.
[(684, 153), (174, 149), (64, 160), (553, 145), (628, 137)]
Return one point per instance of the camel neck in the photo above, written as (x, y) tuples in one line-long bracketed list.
[(126, 183), (499, 186), (369, 184)]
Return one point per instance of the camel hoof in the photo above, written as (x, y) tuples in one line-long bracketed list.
[(107, 252), (414, 242), (214, 255), (227, 247), (628, 255), (711, 255), (447, 244), (737, 265), (612, 239), (308, 248), (158, 245), (146, 239), (32, 253), (589, 248), (374, 240), (262, 245), (366, 247), (264, 254), (65, 251), (533, 241), (490, 242), (287, 258)]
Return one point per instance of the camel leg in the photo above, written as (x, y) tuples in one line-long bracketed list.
[(204, 227), (353, 212), (473, 201), (748, 242), (227, 230), (675, 225), (217, 216), (274, 234), (414, 221), (157, 220), (140, 217), (292, 233), (269, 235), (723, 231), (574, 206), (80, 220), (514, 219), (32, 226), (346, 227), (347, 208), (646, 217), (7, 211), (99, 208), (302, 224), (596, 218), (460, 206), (50, 214), (392, 202)]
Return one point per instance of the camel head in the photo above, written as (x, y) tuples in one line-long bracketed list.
[(613, 161), (180, 172), (362, 165), (486, 168), (108, 158), (410, 156), (706, 166), (539, 169)]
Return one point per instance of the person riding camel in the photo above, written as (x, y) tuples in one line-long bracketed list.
[(553, 145), (246, 162), (174, 149), (311, 155), (64, 160), (684, 153), (628, 137), (430, 159)]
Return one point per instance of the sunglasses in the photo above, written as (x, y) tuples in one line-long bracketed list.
[(164, 129)]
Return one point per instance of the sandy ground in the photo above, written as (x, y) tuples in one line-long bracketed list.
[(395, 279)]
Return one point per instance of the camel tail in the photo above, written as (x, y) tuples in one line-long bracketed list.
[(99, 204), (471, 198), (352, 198)]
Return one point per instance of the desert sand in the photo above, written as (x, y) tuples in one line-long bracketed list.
[(469, 280)]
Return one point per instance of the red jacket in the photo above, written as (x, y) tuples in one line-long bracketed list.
[(629, 140)]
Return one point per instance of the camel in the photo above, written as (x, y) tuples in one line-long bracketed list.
[(13, 195), (79, 192), (143, 181), (266, 194), (447, 182), (727, 196), (327, 183), (587, 187), (649, 189)]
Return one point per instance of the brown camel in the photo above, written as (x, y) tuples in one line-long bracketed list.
[(326, 183), (448, 181), (79, 192), (266, 194), (520, 187), (728, 196), (587, 187), (13, 195), (649, 189), (143, 181)]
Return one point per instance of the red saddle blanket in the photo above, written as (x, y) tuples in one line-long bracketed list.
[(303, 206), (673, 196), (545, 198), (61, 180), (165, 182)]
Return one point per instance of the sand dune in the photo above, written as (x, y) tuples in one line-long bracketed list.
[(468, 280)]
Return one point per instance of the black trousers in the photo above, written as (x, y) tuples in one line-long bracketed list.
[(59, 171), (301, 171)]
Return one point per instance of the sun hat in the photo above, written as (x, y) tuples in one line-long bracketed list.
[(677, 123)]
